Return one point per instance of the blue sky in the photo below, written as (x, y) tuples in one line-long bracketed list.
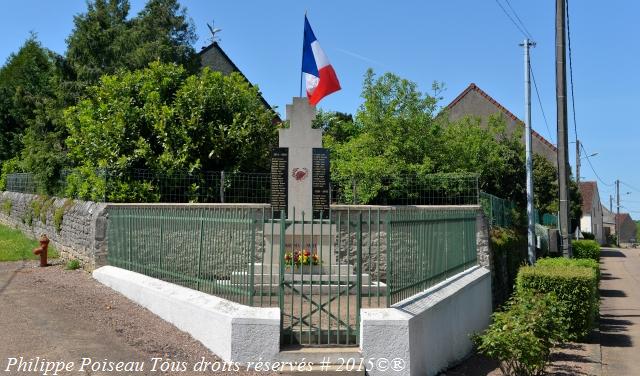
[(456, 42)]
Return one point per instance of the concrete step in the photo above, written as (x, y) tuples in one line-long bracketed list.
[(317, 355), (271, 289), (342, 269), (317, 279)]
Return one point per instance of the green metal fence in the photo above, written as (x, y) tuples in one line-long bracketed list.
[(319, 272), (144, 185), (21, 182), (426, 247), (498, 210)]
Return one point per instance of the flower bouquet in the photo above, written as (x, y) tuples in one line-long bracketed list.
[(301, 258)]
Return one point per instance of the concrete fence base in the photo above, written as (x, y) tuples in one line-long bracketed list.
[(235, 332), (430, 331)]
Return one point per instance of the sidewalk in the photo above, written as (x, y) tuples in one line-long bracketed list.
[(620, 311)]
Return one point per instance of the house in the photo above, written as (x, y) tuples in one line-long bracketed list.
[(608, 222), (214, 57), (626, 228), (473, 101), (592, 216)]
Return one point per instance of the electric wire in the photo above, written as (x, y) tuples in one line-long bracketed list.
[(593, 169), (519, 20), (506, 13), (544, 116), (630, 186), (573, 100)]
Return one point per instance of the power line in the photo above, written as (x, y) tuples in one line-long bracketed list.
[(519, 20), (630, 186), (544, 116), (592, 168), (526, 35), (573, 100)]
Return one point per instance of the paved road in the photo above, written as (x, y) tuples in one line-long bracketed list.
[(61, 315), (620, 312)]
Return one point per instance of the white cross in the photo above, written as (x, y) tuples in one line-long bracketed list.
[(300, 134)]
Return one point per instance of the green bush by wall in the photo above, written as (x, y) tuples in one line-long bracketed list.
[(509, 252), (586, 249), (562, 261), (522, 335), (575, 286), (588, 236)]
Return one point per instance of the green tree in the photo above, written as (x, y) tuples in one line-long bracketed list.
[(163, 32), (104, 40), (163, 120), (391, 131), (31, 133), (99, 41), (25, 80)]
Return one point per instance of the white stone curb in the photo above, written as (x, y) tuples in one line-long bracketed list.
[(232, 331)]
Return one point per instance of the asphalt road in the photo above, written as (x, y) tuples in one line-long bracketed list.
[(620, 311)]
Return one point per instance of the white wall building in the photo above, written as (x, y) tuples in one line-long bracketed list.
[(591, 220)]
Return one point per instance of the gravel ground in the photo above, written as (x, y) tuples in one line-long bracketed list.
[(62, 315), (571, 359)]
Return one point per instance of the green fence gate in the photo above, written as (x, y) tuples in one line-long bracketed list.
[(319, 272)]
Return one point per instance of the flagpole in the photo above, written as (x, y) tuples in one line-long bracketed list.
[(302, 54)]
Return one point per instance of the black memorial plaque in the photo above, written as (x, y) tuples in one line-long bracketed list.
[(320, 184), (279, 180)]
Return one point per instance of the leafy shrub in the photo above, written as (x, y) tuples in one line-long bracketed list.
[(36, 206), (509, 252), (73, 264), (6, 207), (586, 249), (588, 236), (44, 210), (562, 261), (575, 286), (522, 335), (58, 214), (612, 239)]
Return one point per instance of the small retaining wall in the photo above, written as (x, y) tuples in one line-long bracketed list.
[(81, 234), (430, 331), (235, 332)]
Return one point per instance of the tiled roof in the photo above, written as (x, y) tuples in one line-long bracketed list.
[(587, 190), (622, 217), (474, 87)]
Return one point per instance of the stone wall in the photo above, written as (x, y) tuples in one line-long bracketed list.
[(77, 229)]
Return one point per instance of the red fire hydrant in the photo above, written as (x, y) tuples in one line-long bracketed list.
[(42, 250)]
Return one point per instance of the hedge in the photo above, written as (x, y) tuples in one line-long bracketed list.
[(586, 249), (562, 261), (575, 286), (588, 236), (523, 333)]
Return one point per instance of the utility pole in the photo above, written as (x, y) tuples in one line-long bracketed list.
[(611, 203), (531, 233), (618, 213), (578, 161), (578, 173), (561, 102)]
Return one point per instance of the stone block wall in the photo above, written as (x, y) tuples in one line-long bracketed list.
[(77, 229)]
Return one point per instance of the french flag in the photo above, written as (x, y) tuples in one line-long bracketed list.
[(320, 78)]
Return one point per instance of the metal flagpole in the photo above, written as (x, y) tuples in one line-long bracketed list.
[(302, 56)]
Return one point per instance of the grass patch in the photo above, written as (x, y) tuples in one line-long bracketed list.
[(73, 265), (14, 246)]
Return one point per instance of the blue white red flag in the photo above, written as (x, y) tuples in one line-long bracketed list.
[(320, 78)]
